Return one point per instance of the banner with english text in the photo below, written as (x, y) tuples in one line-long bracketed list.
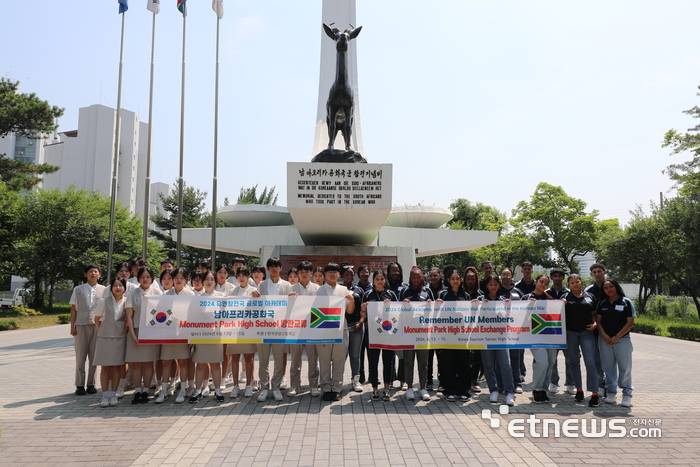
[(271, 319), (467, 325)]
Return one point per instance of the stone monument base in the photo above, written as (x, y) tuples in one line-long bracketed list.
[(338, 156)]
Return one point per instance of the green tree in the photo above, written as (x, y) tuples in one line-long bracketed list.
[(685, 174), (9, 205), (250, 196), (553, 219), (60, 232)]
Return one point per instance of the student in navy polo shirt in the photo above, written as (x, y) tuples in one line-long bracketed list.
[(471, 285), (615, 315), (526, 285), (596, 289), (437, 285), (395, 283), (543, 359), (558, 291), (366, 285), (517, 356)]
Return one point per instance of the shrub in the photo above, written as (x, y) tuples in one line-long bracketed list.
[(691, 333), (25, 312), (7, 325), (657, 305), (680, 307), (643, 328), (64, 319)]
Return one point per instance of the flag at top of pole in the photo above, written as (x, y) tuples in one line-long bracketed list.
[(181, 6), (153, 5), (123, 6), (218, 7)]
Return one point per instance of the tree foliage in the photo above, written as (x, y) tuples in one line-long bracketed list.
[(25, 114), (250, 196), (17, 175), (686, 175)]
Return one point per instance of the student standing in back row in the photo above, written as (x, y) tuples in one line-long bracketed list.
[(304, 287), (82, 327)]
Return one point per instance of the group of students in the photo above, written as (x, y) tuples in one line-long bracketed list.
[(105, 323)]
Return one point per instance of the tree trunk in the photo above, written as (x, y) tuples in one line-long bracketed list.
[(38, 300)]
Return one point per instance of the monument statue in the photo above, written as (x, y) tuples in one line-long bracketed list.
[(340, 104)]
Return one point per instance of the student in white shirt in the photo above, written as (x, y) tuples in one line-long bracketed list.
[(247, 350), (110, 320)]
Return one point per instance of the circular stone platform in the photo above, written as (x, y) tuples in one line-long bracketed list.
[(418, 217), (254, 215)]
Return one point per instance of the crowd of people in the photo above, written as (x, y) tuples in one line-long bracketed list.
[(105, 324)]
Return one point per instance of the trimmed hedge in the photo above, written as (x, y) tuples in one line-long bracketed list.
[(64, 319), (642, 328), (691, 333), (8, 325)]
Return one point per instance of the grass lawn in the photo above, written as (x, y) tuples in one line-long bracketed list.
[(38, 321), (665, 321)]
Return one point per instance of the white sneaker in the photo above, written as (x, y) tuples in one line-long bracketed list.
[(262, 397), (205, 391), (161, 397), (493, 397), (120, 393), (113, 401), (571, 390), (172, 388), (610, 399), (180, 396), (601, 391), (410, 395), (189, 391), (553, 388), (159, 388), (404, 386), (356, 383), (211, 386), (104, 402), (626, 401), (518, 390), (284, 384), (256, 385), (248, 391), (315, 392), (236, 391), (242, 377), (293, 392), (277, 395), (510, 400), (424, 395)]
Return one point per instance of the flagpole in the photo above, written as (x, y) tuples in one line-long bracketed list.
[(147, 196), (216, 148), (115, 168), (182, 144)]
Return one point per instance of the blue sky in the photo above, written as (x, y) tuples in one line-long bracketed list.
[(476, 100)]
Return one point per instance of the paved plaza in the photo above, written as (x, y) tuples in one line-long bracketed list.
[(44, 424)]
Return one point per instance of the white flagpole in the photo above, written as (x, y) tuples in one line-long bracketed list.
[(115, 169), (147, 201), (182, 145), (216, 148)]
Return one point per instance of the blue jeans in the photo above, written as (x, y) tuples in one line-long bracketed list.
[(544, 361), (354, 348), (514, 366), (617, 365), (500, 359), (582, 342), (555, 372)]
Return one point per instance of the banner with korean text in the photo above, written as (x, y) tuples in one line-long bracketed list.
[(271, 319), (467, 325)]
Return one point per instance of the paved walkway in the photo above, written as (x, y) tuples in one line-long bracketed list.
[(43, 423)]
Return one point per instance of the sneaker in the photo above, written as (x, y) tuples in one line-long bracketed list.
[(464, 397), (189, 392), (284, 384), (91, 390), (113, 401), (476, 387), (293, 392), (256, 385), (450, 398), (579, 396), (195, 398), (410, 395), (336, 396), (536, 396), (626, 401), (315, 392), (159, 388), (602, 391), (180, 397), (248, 391), (161, 397), (104, 402), (211, 386), (493, 397), (510, 399), (553, 388), (424, 395), (594, 401), (610, 399), (375, 395), (80, 391), (242, 377), (220, 397), (518, 389), (206, 391), (171, 389), (144, 397), (120, 393), (404, 386), (386, 396), (429, 387), (356, 384), (543, 396), (137, 398), (154, 383), (327, 396), (236, 391), (571, 390), (262, 397), (277, 395)]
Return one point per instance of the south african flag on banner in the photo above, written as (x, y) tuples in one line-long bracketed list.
[(546, 324), (325, 317)]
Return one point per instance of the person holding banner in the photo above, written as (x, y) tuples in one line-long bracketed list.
[(166, 280), (258, 275), (471, 285), (416, 292), (222, 284), (544, 359), (395, 283), (356, 327), (517, 356), (319, 276), (497, 359), (304, 287), (208, 357), (197, 283), (455, 370), (615, 316), (235, 351), (331, 357), (379, 293), (140, 356), (110, 319)]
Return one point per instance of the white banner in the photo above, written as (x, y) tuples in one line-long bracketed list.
[(271, 319), (467, 325)]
